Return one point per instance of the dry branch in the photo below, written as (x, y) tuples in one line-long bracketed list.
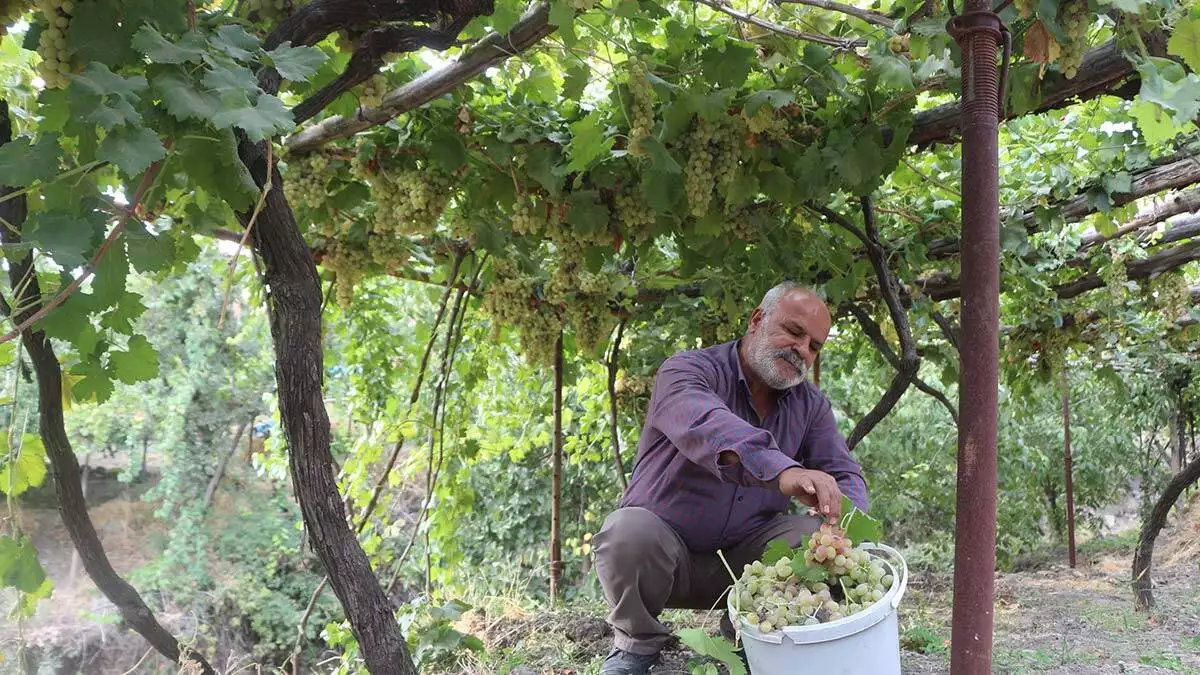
[(856, 12), (532, 27), (779, 29)]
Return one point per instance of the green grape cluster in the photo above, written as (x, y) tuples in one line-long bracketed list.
[(635, 218), (1174, 296), (52, 43), (1115, 277), (306, 181), (526, 217), (728, 154), (410, 200), (511, 299), (589, 312), (348, 264), (771, 597), (765, 123), (373, 90), (698, 172), (1074, 17), (641, 106), (743, 225)]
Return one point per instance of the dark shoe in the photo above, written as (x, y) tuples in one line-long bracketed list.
[(621, 662)]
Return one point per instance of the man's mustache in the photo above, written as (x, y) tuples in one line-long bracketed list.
[(793, 358)]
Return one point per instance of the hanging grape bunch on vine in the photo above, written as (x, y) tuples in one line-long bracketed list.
[(511, 299), (1074, 17), (373, 90), (641, 106), (714, 150), (52, 43), (305, 185), (635, 217)]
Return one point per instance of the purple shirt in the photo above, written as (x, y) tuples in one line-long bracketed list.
[(701, 405)]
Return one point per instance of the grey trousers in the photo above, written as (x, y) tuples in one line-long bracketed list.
[(645, 567)]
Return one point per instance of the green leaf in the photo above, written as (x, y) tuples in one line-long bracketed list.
[(26, 607), (575, 81), (28, 470), (807, 571), (236, 42), (660, 158), (168, 15), (1116, 183), (121, 318), (138, 363), (777, 549), (95, 383), (728, 67), (588, 142), (97, 33), (211, 161), (267, 118), (446, 150), (23, 163), (1185, 42), (19, 566), (70, 240), (189, 49), (587, 214), (132, 149), (1157, 125), (148, 252), (717, 647), (892, 70), (98, 79), (774, 97), (562, 14), (858, 525), (542, 163), (108, 283), (296, 63), (183, 98), (230, 79)]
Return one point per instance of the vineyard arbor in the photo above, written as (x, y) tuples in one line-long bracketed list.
[(573, 169)]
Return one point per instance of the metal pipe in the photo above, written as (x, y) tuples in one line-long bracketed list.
[(978, 32)]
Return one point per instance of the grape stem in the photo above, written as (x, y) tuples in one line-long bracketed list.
[(725, 562)]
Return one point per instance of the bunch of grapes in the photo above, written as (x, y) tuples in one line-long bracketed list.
[(771, 597), (52, 43), (1174, 296), (589, 311), (511, 299), (743, 225), (698, 172), (307, 178), (635, 218), (641, 107), (410, 200), (727, 155), (526, 218), (348, 264), (1074, 17), (373, 90), (1116, 277), (765, 123)]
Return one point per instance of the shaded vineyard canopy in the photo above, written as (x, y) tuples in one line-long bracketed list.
[(575, 165)]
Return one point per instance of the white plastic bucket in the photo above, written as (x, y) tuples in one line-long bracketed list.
[(866, 643)]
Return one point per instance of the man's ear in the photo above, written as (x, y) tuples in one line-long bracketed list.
[(756, 318)]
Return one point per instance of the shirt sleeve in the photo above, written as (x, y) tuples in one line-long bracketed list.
[(687, 410), (824, 449)]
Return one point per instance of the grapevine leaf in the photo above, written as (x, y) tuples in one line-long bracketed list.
[(296, 63), (1119, 182), (446, 150), (183, 99), (588, 142), (587, 214), (28, 470), (1040, 47), (728, 67), (147, 252), (108, 284), (505, 16), (228, 79), (776, 549), (267, 118), (132, 149), (224, 177), (70, 240), (19, 566), (236, 42), (121, 318), (69, 321), (189, 49), (660, 159), (98, 79), (543, 165), (1157, 125), (1185, 42), (563, 16), (776, 184), (95, 383), (858, 525), (717, 647), (26, 607), (807, 571), (97, 33), (138, 363), (892, 70), (775, 97), (55, 109), (168, 15), (575, 80), (23, 163), (662, 190)]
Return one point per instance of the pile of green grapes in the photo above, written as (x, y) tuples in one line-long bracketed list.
[(831, 580)]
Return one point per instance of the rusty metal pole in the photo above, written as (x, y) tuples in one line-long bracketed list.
[(978, 32), (556, 565), (1066, 408)]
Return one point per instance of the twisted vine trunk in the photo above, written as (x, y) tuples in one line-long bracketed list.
[(1143, 556), (72, 505), (295, 303)]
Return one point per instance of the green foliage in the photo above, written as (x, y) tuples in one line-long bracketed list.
[(717, 647)]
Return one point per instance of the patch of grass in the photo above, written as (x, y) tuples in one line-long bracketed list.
[(1121, 621), (923, 639), (1192, 643), (1163, 660), (1124, 542)]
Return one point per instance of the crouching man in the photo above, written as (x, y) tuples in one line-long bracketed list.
[(733, 432)]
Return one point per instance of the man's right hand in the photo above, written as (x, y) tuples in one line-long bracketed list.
[(813, 488)]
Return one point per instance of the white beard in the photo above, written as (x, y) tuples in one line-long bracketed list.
[(764, 361)]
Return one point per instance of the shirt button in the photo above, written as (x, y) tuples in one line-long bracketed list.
[(740, 498)]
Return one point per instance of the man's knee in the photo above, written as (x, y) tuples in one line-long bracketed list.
[(633, 535)]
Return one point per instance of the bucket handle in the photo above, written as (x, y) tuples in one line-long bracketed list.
[(895, 555)]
